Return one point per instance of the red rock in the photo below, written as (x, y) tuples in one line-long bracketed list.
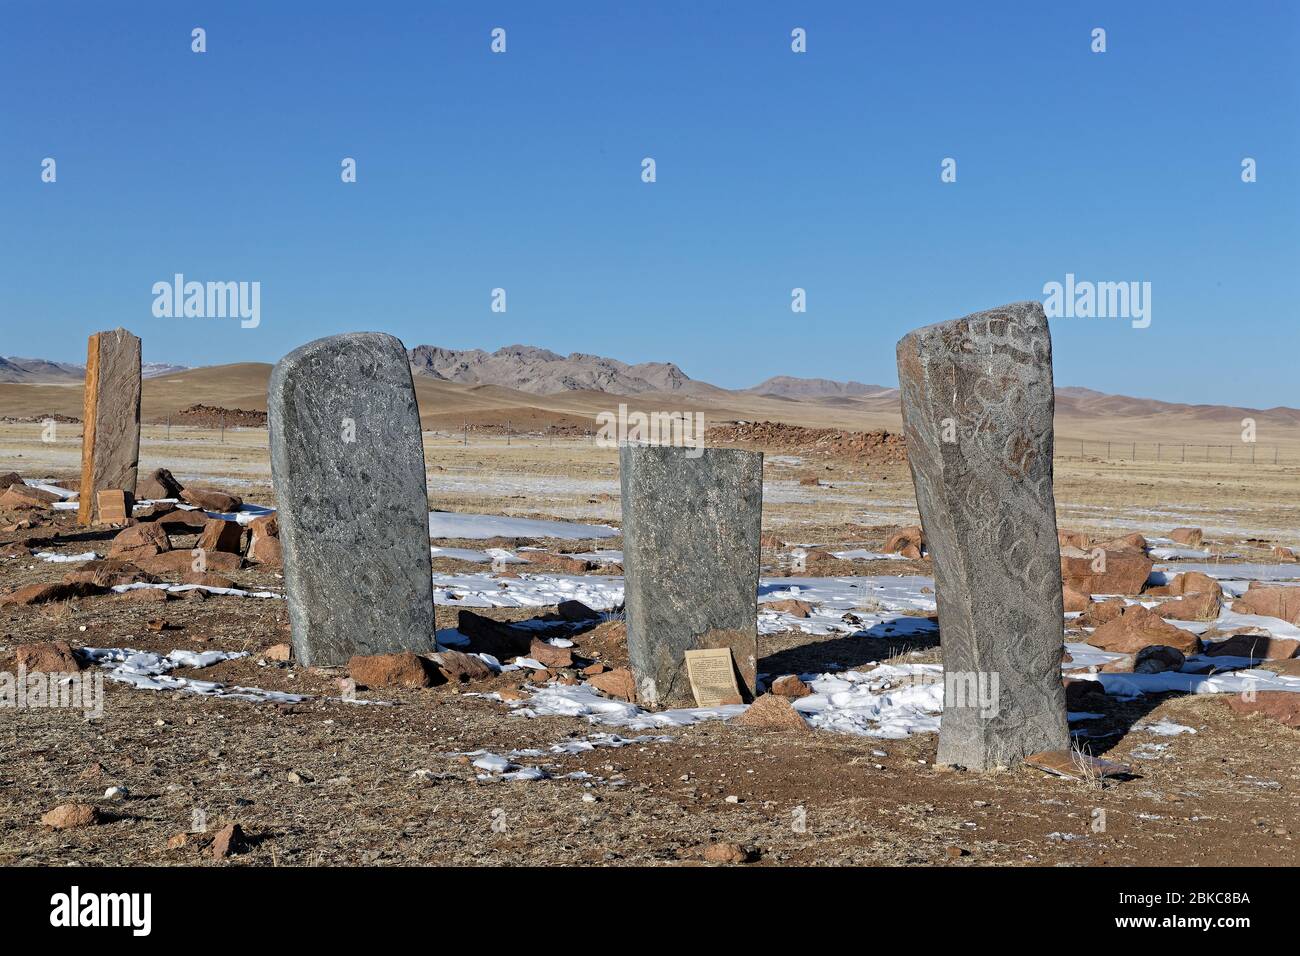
[(1072, 763), (791, 687), (43, 593), (550, 655), (512, 694), (139, 540), (772, 712), (1200, 606), (389, 670), (1074, 601), (726, 853), (1279, 602), (909, 542), (1279, 705), (12, 478), (1136, 628), (770, 541), (1100, 613), (228, 841), (184, 561), (52, 657), (208, 579), (1258, 646), (143, 596), (1109, 572), (27, 498), (178, 841), (108, 573), (278, 652), (1129, 542), (1191, 537), (264, 542), (180, 521), (221, 535), (460, 668), (593, 669), (209, 499), (66, 816), (160, 484), (1285, 554), (617, 683), (789, 606)]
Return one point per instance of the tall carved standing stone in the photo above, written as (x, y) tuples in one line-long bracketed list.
[(977, 409), (691, 525), (347, 462), (110, 433)]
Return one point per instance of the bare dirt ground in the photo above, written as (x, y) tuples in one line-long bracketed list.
[(330, 782)]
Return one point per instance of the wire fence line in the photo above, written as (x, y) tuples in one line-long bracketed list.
[(1244, 453)]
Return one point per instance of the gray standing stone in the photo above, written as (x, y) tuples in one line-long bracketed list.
[(353, 515), (691, 530), (110, 431), (977, 409)]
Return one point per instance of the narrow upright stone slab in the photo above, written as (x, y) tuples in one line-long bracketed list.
[(977, 409), (110, 431), (691, 524), (347, 463)]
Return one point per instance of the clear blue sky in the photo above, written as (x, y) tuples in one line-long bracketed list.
[(775, 170)]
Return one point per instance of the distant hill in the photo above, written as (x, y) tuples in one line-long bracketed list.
[(786, 386), (544, 372), (44, 372)]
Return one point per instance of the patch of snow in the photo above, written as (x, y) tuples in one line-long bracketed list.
[(450, 524), (65, 558)]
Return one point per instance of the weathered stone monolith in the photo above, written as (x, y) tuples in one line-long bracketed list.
[(977, 409), (347, 463), (110, 433), (691, 525)]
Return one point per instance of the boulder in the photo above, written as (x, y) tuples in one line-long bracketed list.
[(1279, 602), (160, 484), (772, 712), (791, 687), (182, 562), (27, 498), (44, 593), (139, 541), (458, 668), (1136, 628), (791, 606), (108, 573), (1075, 601), (1280, 705), (1108, 572), (51, 657), (615, 683), (219, 534), (1191, 537), (209, 499), (67, 816), (405, 669), (908, 541)]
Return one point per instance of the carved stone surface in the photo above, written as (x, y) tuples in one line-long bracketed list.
[(977, 409), (110, 434), (347, 463), (691, 525)]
